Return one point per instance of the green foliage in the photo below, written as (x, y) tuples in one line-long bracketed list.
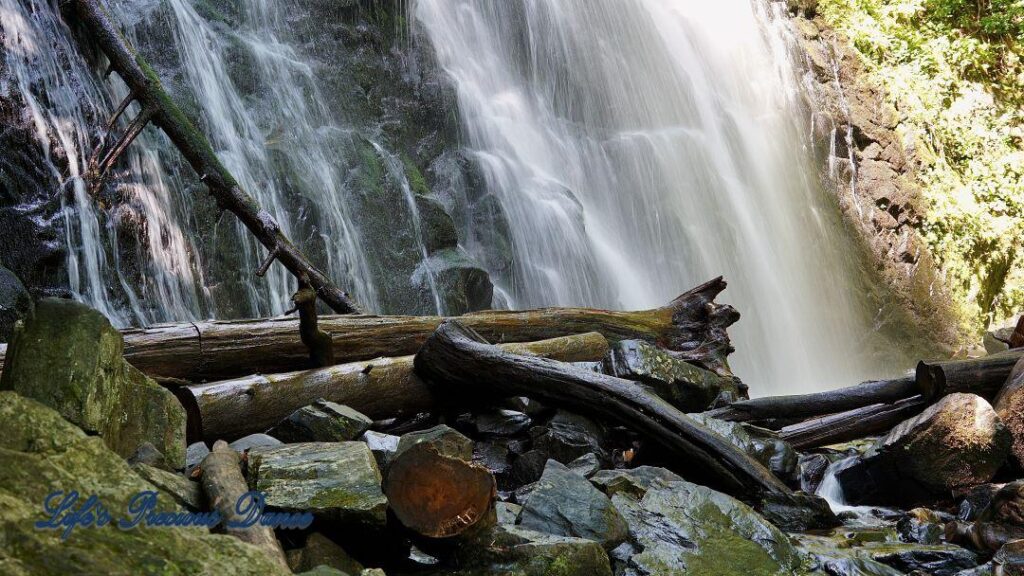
[(954, 71)]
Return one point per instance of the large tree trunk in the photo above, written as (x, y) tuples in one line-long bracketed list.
[(381, 388), (224, 485), (851, 425), (822, 403), (461, 367), (157, 107), (983, 376), (693, 326)]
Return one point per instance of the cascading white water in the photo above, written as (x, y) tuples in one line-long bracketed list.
[(639, 147)]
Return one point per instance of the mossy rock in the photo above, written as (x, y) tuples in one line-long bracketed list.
[(510, 550), (43, 453), (68, 356)]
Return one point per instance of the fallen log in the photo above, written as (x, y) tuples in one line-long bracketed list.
[(439, 496), (852, 424), (224, 484), (823, 403), (157, 107), (380, 388), (983, 376), (692, 326), (460, 366)]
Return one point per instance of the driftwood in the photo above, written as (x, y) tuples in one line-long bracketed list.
[(381, 388), (157, 107), (319, 343), (822, 403), (439, 496), (693, 326), (224, 485), (852, 424), (983, 376), (462, 367)]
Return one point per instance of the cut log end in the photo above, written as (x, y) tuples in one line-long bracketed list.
[(437, 496), (701, 325)]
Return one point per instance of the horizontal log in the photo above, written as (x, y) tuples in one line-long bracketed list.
[(380, 388), (852, 424), (461, 367), (693, 326), (822, 403), (983, 376)]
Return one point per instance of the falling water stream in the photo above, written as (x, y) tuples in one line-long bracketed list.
[(637, 147)]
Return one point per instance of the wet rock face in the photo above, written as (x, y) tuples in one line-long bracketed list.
[(956, 443), (43, 451), (69, 357), (564, 503)]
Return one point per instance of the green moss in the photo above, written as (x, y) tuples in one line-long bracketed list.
[(417, 182), (956, 74)]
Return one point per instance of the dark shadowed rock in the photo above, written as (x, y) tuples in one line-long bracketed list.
[(336, 480), (763, 445), (146, 453), (922, 526), (859, 567), (685, 386), (15, 302), (1009, 561), (68, 356), (936, 561), (182, 490), (320, 550), (508, 512), (516, 550), (447, 441), (501, 423), (956, 443), (529, 466), (587, 465), (564, 503), (494, 456), (798, 511), (322, 421), (812, 469), (568, 436)]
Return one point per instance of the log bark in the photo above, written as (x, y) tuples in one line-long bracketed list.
[(224, 485), (461, 366), (693, 326), (983, 376), (3, 354), (852, 424), (158, 108), (822, 403), (381, 388), (439, 496)]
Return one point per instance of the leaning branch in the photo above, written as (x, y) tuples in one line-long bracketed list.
[(158, 108)]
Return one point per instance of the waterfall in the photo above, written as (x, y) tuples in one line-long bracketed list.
[(639, 147)]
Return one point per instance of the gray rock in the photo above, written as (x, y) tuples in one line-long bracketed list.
[(447, 442), (320, 550), (336, 480), (495, 457), (568, 436), (15, 302), (859, 567), (763, 445), (195, 454), (254, 441), (146, 453), (923, 526), (812, 470), (322, 421), (798, 512), (182, 490), (515, 550), (459, 280), (382, 445), (501, 423), (508, 512), (868, 547), (528, 467), (956, 443), (682, 528), (564, 503), (68, 356), (43, 452), (634, 482), (586, 465), (685, 386)]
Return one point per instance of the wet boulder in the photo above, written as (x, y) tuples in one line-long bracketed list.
[(445, 440), (460, 284), (922, 526), (763, 445), (516, 550), (681, 528), (957, 442), (587, 465), (43, 451), (568, 436), (685, 386), (812, 469), (634, 482), (338, 481), (322, 421), (1009, 405), (564, 503), (68, 356), (501, 423), (15, 302)]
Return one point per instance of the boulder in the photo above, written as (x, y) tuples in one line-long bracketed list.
[(43, 452), (146, 453), (564, 503), (868, 548), (68, 356), (763, 445), (447, 441), (461, 284), (494, 456), (634, 482), (1009, 560), (528, 467), (685, 386), (320, 550), (508, 513), (251, 441), (681, 528), (15, 302), (501, 423), (957, 442), (587, 465), (568, 436), (338, 481), (1009, 405), (182, 490), (812, 470), (505, 549), (322, 421), (922, 526)]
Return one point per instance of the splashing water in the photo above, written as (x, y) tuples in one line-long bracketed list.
[(639, 147)]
